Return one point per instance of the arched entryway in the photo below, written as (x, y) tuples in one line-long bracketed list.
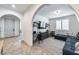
[(9, 26), (58, 11), (63, 15)]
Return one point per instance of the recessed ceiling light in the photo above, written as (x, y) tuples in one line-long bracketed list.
[(13, 6)]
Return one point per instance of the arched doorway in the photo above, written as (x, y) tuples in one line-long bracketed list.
[(10, 26), (44, 12)]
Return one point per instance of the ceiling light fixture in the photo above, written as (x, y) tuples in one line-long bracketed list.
[(13, 6), (57, 12)]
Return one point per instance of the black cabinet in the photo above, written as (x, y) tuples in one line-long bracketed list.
[(52, 33), (42, 36)]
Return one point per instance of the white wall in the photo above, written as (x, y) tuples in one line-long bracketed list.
[(73, 25), (40, 18), (27, 24), (5, 11)]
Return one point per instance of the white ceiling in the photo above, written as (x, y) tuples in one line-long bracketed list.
[(18, 7), (48, 10)]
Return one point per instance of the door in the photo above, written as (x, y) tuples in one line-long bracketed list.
[(0, 27), (17, 27), (9, 27)]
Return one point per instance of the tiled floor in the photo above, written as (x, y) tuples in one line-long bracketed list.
[(14, 46)]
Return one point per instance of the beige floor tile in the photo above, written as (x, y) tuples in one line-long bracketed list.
[(50, 46)]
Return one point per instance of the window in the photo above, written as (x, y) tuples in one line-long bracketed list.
[(65, 24), (62, 24), (58, 24)]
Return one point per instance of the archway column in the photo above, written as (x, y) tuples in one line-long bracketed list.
[(27, 24)]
